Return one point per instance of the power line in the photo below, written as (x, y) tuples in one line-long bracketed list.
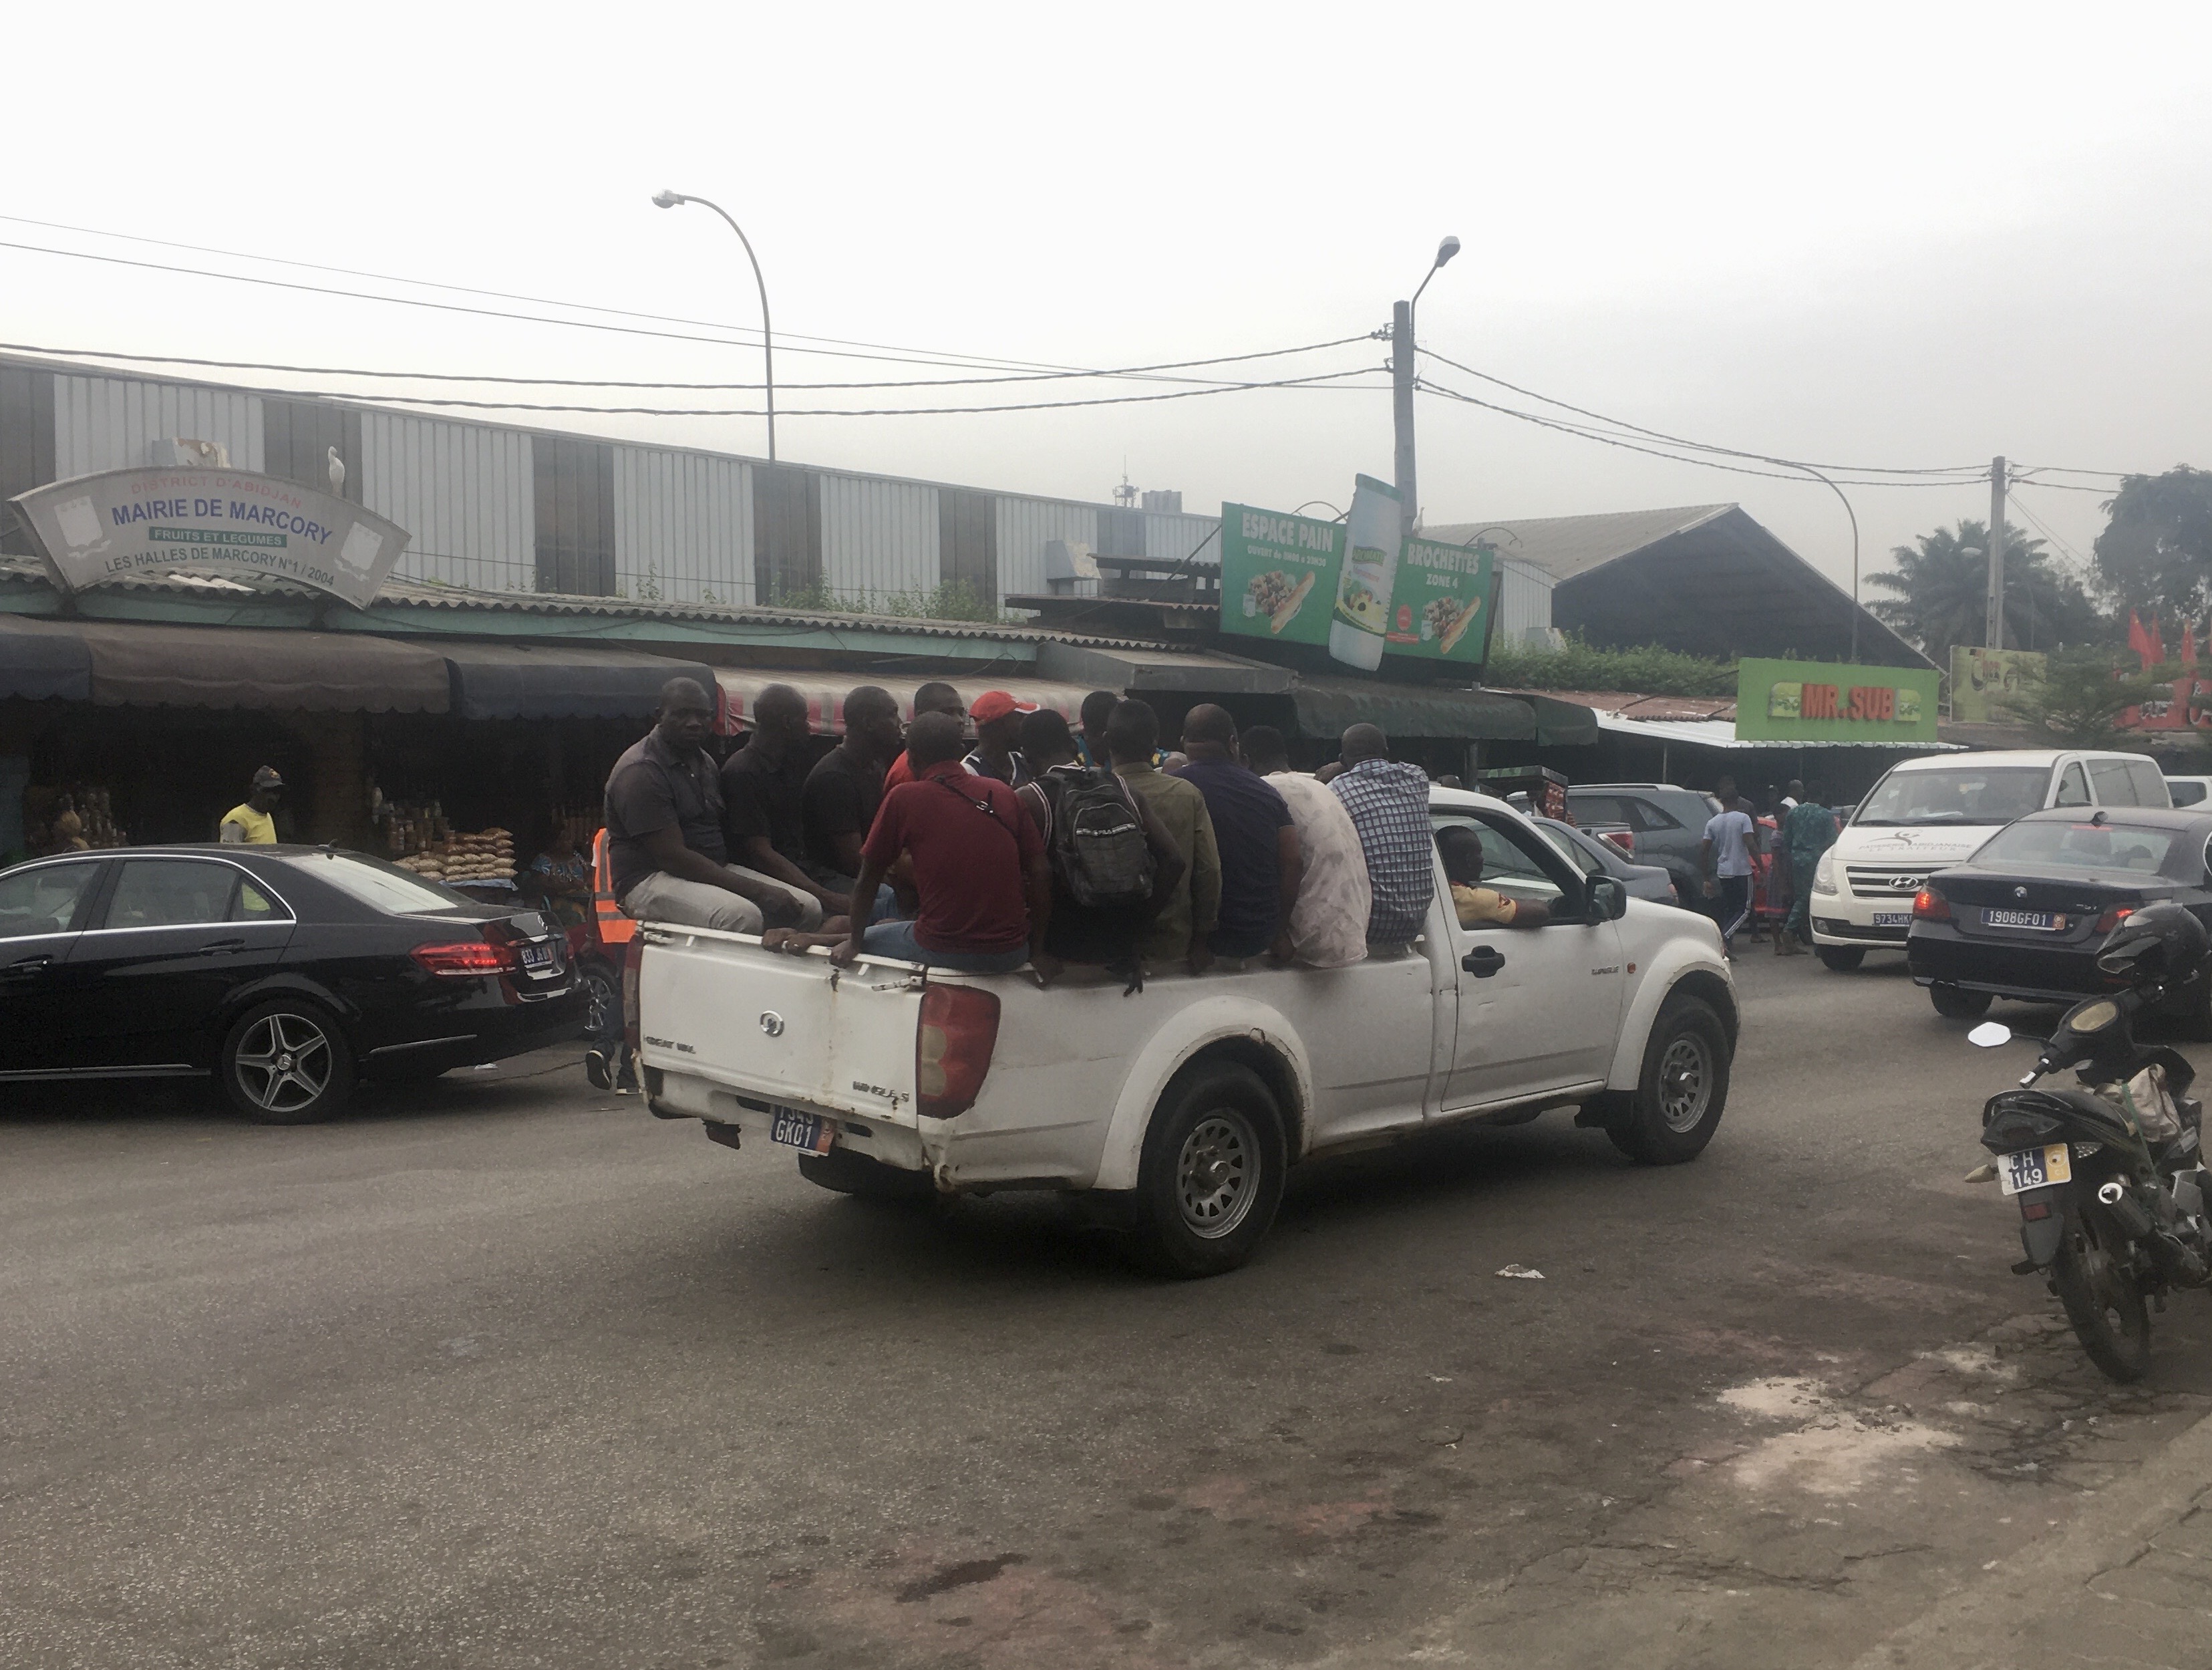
[(1324, 377), (1968, 471), (929, 355), (1587, 433), (610, 382)]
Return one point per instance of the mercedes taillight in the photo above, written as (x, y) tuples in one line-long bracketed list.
[(952, 1048)]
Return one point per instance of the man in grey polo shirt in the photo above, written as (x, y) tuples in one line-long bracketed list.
[(665, 842)]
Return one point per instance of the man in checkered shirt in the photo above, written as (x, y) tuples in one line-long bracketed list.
[(1388, 801)]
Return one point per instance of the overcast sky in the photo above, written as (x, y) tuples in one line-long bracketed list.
[(1910, 236)]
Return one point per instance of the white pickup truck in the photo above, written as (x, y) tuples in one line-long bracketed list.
[(1182, 1107)]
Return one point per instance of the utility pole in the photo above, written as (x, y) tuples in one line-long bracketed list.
[(1401, 408), (1993, 625)]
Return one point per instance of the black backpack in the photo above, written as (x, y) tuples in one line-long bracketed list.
[(1099, 853)]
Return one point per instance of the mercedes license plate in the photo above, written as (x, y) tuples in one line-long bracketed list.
[(2039, 919), (539, 959), (796, 1130), (2035, 1168), (1893, 919)]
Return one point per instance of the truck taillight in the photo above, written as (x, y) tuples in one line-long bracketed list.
[(467, 957), (952, 1049), (1928, 905), (1623, 839)]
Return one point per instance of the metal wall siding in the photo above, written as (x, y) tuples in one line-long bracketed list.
[(1524, 601), (111, 423), (683, 524), (1026, 525), (1170, 538), (463, 490), (877, 537)]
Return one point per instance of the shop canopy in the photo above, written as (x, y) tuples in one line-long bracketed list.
[(1328, 707), (533, 681), (126, 663), (43, 659), (825, 694)]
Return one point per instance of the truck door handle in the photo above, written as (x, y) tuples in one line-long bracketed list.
[(1483, 962), (26, 967)]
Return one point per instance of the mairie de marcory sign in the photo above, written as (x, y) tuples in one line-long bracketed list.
[(95, 528)]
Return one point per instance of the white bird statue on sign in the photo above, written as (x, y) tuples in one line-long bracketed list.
[(337, 474)]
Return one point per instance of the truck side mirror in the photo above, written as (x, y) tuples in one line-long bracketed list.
[(1608, 899)]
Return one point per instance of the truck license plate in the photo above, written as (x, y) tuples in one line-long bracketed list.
[(796, 1130), (2041, 919), (2035, 1168), (1893, 919)]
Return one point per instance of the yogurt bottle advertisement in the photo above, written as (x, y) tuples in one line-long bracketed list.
[(1356, 585)]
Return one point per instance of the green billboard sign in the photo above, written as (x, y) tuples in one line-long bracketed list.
[(1285, 579), (1782, 701)]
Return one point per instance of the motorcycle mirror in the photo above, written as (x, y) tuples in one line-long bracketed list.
[(1990, 1034)]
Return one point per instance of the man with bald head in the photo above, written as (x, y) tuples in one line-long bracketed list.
[(1261, 863), (1388, 801), (665, 843)]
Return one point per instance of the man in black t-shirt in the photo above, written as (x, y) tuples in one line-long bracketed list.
[(837, 806), (763, 793), (665, 842)]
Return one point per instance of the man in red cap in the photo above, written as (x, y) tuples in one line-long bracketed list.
[(998, 718)]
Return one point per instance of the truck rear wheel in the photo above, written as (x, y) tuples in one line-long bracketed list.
[(843, 1172), (1211, 1175), (1841, 959), (1677, 1103)]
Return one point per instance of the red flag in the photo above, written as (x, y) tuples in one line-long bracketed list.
[(2188, 641), (2157, 642), (2138, 639)]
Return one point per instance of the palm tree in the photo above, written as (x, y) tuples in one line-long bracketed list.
[(1943, 585)]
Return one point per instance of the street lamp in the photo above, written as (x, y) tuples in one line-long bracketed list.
[(1402, 388), (667, 199)]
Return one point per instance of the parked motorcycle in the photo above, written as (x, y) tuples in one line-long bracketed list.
[(2110, 1178)]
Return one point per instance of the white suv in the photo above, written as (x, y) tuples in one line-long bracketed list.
[(1927, 813)]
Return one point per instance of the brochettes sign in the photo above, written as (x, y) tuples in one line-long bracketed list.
[(97, 528)]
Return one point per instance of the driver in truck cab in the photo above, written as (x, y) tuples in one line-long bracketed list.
[(1479, 906)]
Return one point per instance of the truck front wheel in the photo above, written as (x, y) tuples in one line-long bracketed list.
[(1671, 1114), (1211, 1175)]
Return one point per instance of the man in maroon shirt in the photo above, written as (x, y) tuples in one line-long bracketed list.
[(979, 867)]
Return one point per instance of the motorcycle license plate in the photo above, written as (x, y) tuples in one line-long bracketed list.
[(1893, 919), (2035, 1168), (2043, 920), (796, 1130)]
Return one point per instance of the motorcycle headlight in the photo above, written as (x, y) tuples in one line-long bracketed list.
[(1824, 873)]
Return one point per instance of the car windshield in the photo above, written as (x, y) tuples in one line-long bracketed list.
[(1955, 794), (373, 882), (2051, 845)]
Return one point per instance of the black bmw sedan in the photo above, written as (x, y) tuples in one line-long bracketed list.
[(287, 973), (2024, 917)]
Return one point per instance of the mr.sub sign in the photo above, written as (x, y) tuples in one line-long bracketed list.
[(94, 529), (1779, 700)]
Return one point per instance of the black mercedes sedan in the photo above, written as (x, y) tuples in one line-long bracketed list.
[(287, 973), (2024, 916)]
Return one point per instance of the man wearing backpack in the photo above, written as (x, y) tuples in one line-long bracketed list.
[(1113, 863)]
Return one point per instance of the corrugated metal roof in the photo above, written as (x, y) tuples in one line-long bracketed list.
[(416, 594), (1564, 546), (1721, 734)]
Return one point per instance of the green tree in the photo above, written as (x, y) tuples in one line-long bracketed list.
[(2156, 550), (2082, 694), (1942, 582)]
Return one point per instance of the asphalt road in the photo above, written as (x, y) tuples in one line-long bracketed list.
[(507, 1373)]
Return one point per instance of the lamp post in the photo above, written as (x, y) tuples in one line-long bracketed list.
[(1402, 388), (667, 199)]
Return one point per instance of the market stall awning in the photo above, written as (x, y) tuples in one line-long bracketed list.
[(1327, 707), (130, 664), (1137, 670), (1563, 724), (825, 694), (546, 681), (1721, 734), (41, 660)]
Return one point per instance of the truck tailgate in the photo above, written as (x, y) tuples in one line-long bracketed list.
[(791, 1030)]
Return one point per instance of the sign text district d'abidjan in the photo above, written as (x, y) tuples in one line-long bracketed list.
[(95, 528)]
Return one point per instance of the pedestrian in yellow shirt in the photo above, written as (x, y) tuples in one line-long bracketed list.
[(250, 824)]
